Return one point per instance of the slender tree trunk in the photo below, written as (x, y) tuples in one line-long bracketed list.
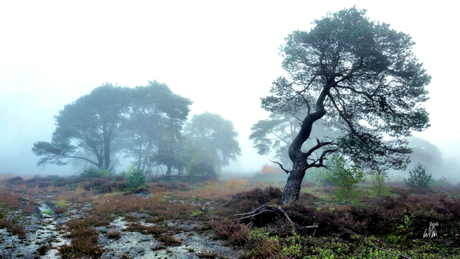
[(107, 153)]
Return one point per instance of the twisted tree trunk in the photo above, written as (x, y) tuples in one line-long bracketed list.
[(299, 158)]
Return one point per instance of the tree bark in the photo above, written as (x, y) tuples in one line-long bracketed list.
[(294, 181)]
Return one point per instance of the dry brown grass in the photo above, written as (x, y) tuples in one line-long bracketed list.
[(213, 190), (8, 199), (235, 184), (157, 193), (125, 204), (29, 206)]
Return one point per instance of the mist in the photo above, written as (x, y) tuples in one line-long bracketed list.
[(224, 57)]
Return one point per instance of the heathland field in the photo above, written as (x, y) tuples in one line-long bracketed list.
[(58, 217)]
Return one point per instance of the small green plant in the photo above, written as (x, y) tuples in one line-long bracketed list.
[(292, 248), (135, 178), (48, 212), (196, 213), (61, 203), (378, 179), (418, 177), (345, 177), (94, 172)]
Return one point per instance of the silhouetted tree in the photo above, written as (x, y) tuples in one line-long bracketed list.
[(363, 80), (143, 123), (155, 124), (92, 124), (215, 134)]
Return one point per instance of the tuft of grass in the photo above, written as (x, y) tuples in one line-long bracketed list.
[(61, 205), (157, 193), (147, 230)]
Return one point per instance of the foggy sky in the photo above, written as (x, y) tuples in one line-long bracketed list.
[(223, 55)]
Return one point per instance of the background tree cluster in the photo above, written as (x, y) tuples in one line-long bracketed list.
[(144, 124)]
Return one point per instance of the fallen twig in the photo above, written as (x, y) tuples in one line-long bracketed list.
[(247, 213), (285, 214), (253, 215), (258, 211)]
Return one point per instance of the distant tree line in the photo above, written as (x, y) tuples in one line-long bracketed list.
[(147, 124)]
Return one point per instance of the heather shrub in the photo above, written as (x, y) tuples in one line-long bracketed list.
[(15, 181), (113, 234), (250, 200), (235, 233)]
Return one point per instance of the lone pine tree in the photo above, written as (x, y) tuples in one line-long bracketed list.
[(362, 79)]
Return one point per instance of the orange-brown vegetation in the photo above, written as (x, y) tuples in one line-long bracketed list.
[(270, 170)]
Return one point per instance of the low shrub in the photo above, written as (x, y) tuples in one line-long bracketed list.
[(235, 233), (169, 240), (83, 242), (135, 178), (14, 226), (15, 181), (94, 172), (250, 200), (113, 234)]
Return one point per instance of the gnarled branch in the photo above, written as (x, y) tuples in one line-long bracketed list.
[(282, 168)]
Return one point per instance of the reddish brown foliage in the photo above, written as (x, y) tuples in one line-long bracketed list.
[(250, 200), (83, 240), (235, 233), (113, 234)]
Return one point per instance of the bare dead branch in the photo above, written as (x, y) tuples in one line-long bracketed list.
[(247, 213), (285, 214), (255, 212), (282, 168), (317, 146), (253, 215)]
